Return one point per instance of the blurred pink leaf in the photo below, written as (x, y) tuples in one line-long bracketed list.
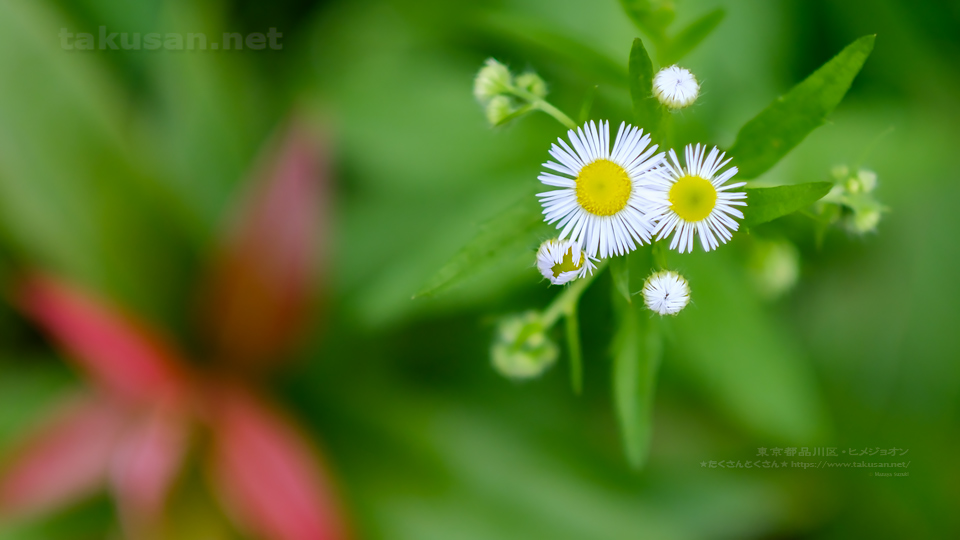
[(266, 475), (114, 349), (65, 461), (262, 282), (146, 463)]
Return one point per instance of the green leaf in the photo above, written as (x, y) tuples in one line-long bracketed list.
[(518, 227), (743, 361), (646, 109), (636, 359), (765, 139), (651, 16), (691, 36), (768, 204), (79, 195), (620, 272)]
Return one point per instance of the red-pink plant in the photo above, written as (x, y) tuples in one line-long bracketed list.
[(132, 431)]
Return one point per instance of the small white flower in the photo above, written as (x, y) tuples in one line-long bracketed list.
[(695, 200), (600, 205), (666, 292), (561, 261), (675, 87)]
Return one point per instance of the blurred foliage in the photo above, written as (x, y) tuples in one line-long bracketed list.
[(118, 168)]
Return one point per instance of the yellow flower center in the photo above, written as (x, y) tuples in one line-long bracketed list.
[(692, 198), (567, 264), (603, 188)]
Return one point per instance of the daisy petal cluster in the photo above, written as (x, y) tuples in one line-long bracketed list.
[(675, 87), (562, 261), (695, 200), (666, 292), (600, 204)]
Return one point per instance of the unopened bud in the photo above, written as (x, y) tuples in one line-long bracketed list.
[(675, 87), (531, 82), (492, 80), (867, 179), (521, 348), (499, 110)]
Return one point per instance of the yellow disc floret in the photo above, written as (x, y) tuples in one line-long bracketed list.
[(692, 198), (603, 188), (567, 264)]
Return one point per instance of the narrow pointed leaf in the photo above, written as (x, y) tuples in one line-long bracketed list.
[(116, 350), (636, 360), (646, 109), (765, 139), (517, 228), (262, 282), (768, 204), (65, 461), (267, 477), (146, 463), (690, 37)]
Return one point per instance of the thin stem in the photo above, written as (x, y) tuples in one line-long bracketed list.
[(545, 106), (576, 353), (568, 299), (660, 254), (556, 113)]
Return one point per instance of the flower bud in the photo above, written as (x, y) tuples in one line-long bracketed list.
[(562, 261), (531, 82), (675, 87), (492, 80), (521, 348), (864, 220), (867, 179), (499, 110), (666, 292)]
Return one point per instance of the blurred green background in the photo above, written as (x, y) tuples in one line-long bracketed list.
[(119, 169)]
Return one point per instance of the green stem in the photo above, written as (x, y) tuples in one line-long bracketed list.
[(666, 138), (556, 113), (576, 353), (660, 250), (566, 301), (545, 106)]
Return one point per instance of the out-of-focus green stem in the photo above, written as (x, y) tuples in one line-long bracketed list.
[(574, 350)]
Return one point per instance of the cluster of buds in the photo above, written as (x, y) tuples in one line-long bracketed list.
[(852, 202), (505, 96)]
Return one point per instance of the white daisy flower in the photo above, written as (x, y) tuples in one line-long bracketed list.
[(561, 261), (695, 200), (666, 292), (600, 206), (675, 87)]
